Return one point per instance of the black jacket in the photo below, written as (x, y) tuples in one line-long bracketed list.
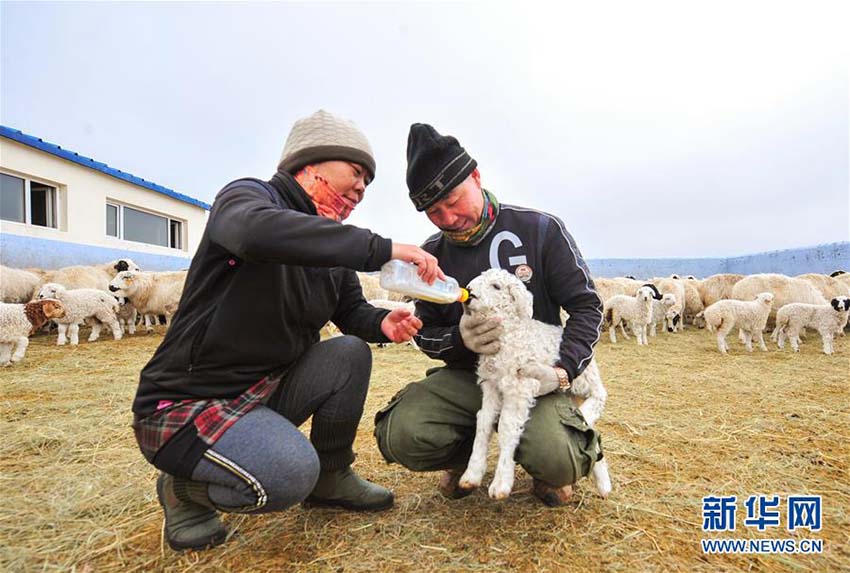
[(559, 279), (267, 275)]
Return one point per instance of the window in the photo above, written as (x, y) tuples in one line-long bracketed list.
[(25, 201), (112, 220), (133, 224), (11, 198), (42, 205), (176, 228)]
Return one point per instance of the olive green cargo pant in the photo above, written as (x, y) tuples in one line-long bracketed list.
[(430, 425)]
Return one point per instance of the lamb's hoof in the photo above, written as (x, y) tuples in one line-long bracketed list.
[(550, 495), (7, 364), (468, 482), (603, 483), (499, 491), (449, 485)]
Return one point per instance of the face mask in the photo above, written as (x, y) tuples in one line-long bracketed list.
[(328, 202)]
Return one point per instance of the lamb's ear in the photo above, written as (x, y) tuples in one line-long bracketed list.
[(847, 304), (676, 319), (522, 299), (836, 273), (836, 304)]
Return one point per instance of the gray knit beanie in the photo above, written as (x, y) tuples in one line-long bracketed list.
[(325, 137)]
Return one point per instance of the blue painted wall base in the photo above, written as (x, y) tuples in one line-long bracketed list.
[(22, 252)]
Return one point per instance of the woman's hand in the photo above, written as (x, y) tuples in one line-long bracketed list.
[(428, 271), (400, 325)]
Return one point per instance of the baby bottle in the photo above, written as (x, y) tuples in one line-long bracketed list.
[(403, 277)]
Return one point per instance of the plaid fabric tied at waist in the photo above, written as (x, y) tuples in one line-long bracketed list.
[(211, 417)]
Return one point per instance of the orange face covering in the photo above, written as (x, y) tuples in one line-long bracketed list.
[(329, 203)]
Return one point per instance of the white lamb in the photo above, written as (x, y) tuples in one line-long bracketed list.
[(663, 313), (508, 396), (827, 319), (636, 310), (749, 316), (151, 293), (19, 321), (81, 304), (127, 313)]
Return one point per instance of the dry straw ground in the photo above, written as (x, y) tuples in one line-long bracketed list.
[(682, 422)]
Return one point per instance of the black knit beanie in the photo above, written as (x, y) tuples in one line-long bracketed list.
[(436, 164)]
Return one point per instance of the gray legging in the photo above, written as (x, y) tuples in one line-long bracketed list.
[(263, 463)]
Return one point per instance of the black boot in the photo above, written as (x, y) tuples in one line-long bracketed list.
[(344, 488), (190, 520)]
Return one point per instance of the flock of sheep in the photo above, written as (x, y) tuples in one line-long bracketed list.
[(114, 294), (118, 294), (724, 302)]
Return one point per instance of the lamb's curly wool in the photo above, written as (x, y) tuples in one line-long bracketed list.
[(81, 304), (510, 397), (827, 319), (635, 310), (749, 316), (18, 321)]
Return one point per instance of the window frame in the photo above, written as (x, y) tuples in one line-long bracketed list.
[(121, 228), (57, 203)]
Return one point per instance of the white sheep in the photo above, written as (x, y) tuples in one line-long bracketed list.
[(717, 287), (829, 287), (508, 396), (606, 288), (371, 287), (663, 313), (151, 293), (827, 319), (636, 310), (81, 304), (785, 290), (693, 301), (749, 316), (19, 321), (89, 276), (17, 285)]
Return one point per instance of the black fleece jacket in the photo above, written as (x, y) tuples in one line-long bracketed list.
[(267, 275)]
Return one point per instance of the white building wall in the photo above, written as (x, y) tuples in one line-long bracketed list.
[(82, 194)]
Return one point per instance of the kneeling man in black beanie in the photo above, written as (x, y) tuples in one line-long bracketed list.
[(430, 424)]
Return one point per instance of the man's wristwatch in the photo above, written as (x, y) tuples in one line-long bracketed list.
[(563, 379)]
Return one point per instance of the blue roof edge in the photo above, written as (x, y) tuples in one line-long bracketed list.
[(40, 144)]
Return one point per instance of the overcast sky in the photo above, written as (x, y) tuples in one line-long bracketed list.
[(652, 129)]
